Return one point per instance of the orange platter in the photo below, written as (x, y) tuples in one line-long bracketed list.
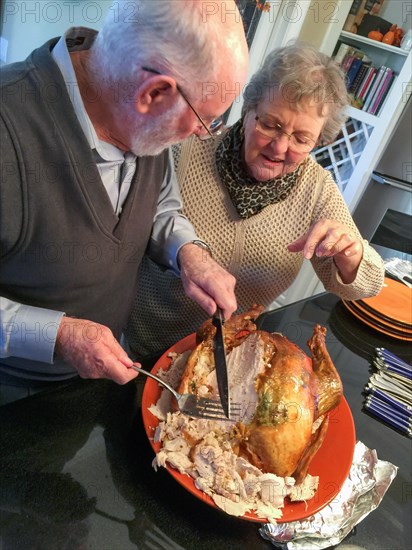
[(394, 302), (379, 324), (362, 309), (390, 312), (331, 463)]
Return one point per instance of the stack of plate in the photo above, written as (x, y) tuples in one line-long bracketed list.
[(390, 312)]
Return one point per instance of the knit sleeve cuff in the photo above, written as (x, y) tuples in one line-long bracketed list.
[(369, 278)]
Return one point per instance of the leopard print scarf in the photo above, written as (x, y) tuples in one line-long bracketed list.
[(249, 195)]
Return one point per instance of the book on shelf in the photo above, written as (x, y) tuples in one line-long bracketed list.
[(351, 58), (371, 94), (367, 82), (368, 85), (358, 79), (353, 71), (347, 60), (342, 52), (381, 92), (354, 63), (386, 92)]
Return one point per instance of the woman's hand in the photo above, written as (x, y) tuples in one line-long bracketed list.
[(93, 350), (330, 238)]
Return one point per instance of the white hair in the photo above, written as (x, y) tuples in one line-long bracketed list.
[(174, 36), (301, 72)]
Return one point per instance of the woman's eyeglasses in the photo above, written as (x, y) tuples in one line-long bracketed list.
[(297, 142), (214, 129)]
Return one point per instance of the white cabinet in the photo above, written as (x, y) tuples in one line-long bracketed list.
[(354, 156)]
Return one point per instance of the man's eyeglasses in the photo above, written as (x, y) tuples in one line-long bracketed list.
[(215, 126), (298, 142)]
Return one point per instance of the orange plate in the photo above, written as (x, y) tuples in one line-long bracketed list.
[(394, 302), (399, 335), (331, 463), (403, 328)]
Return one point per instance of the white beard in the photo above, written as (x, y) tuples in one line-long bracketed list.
[(151, 138)]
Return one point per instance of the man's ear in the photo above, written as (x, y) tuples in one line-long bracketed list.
[(156, 95)]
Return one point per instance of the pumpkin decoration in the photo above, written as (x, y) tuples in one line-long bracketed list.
[(393, 37), (375, 35), (389, 38), (399, 33)]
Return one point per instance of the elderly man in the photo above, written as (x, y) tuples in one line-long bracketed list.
[(88, 183)]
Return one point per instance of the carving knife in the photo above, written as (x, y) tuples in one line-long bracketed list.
[(220, 361)]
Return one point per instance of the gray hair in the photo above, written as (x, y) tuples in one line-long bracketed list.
[(158, 33), (300, 73)]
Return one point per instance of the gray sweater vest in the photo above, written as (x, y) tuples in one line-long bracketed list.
[(62, 246)]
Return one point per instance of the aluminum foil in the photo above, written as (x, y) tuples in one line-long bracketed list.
[(368, 480)]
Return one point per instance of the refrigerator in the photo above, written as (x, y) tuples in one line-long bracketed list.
[(384, 213)]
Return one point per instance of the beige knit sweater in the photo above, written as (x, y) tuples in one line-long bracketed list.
[(254, 250)]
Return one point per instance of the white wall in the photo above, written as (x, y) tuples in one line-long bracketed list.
[(28, 24), (397, 12), (324, 19), (324, 22)]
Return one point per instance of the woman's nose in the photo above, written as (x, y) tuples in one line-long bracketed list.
[(280, 144)]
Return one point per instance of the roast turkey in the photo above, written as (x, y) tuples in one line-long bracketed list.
[(285, 395)]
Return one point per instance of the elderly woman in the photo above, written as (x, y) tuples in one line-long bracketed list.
[(262, 204)]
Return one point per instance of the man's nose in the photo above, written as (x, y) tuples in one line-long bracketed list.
[(200, 131)]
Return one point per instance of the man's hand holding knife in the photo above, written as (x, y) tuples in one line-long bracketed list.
[(206, 282)]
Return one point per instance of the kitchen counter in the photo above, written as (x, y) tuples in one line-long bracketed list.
[(75, 463)]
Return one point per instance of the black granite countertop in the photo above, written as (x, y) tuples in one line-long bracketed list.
[(75, 463)]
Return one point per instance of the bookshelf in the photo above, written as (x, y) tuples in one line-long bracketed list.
[(374, 44), (375, 129), (371, 69), (379, 53)]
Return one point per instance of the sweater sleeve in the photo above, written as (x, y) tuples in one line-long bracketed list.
[(171, 229), (371, 271)]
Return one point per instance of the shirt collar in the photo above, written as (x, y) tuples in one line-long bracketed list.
[(76, 39)]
